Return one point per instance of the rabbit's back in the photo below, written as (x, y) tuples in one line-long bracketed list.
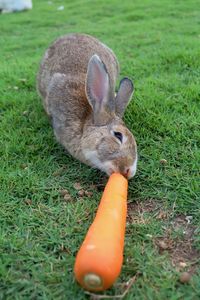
[(70, 55)]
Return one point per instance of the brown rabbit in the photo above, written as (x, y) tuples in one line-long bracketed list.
[(76, 81)]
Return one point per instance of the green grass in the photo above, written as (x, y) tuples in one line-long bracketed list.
[(158, 45)]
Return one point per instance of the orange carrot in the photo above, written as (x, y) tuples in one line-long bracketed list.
[(99, 260)]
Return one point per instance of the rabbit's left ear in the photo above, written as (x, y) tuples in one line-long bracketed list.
[(98, 90), (123, 96)]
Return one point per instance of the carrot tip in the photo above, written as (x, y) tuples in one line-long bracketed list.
[(92, 281)]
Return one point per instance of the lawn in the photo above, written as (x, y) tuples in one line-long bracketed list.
[(158, 46)]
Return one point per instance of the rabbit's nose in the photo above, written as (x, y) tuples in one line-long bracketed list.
[(126, 172)]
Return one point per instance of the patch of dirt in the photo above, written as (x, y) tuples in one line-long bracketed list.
[(83, 192), (181, 251), (28, 201), (80, 191), (59, 171), (178, 236), (77, 186), (137, 212), (99, 184), (66, 195)]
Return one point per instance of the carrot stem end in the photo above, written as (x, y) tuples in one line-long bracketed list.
[(92, 281)]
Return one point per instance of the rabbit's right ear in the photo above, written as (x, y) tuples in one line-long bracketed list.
[(98, 90), (124, 95)]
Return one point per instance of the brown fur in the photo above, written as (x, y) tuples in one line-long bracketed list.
[(62, 84)]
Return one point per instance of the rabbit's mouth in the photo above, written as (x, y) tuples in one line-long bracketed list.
[(110, 171), (127, 171), (110, 167), (125, 174)]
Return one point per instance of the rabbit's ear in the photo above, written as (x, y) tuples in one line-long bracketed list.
[(98, 90), (124, 95)]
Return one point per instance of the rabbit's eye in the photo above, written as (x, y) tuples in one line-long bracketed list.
[(118, 135)]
